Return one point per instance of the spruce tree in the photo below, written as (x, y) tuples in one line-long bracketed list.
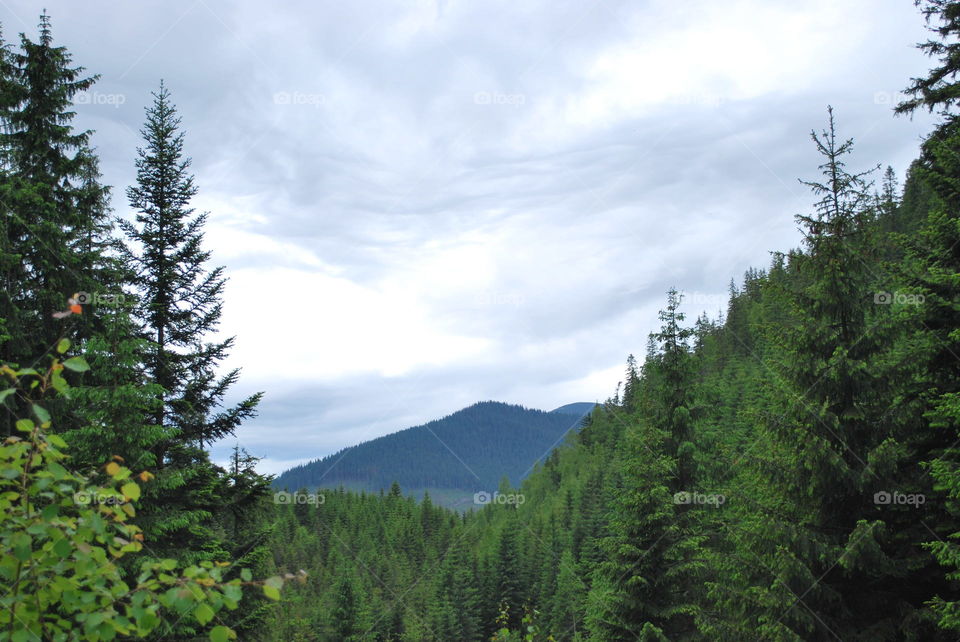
[(53, 229), (642, 587), (179, 306), (835, 434)]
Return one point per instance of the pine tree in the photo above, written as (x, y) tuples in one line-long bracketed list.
[(346, 614), (179, 306), (630, 385), (834, 433), (642, 588), (938, 89), (509, 588), (54, 216), (566, 615)]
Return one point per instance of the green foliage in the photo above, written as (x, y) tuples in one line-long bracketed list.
[(67, 534)]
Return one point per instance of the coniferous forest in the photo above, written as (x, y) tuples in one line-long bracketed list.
[(786, 470)]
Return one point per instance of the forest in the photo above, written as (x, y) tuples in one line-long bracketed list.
[(789, 470)]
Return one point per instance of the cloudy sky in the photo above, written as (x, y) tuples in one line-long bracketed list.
[(423, 204)]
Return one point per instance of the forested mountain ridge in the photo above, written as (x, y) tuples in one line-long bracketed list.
[(580, 409), (469, 450)]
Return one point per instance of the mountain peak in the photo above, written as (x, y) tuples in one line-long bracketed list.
[(469, 450)]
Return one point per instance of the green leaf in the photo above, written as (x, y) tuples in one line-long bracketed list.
[(77, 364), (131, 491), (203, 613), (276, 581), (63, 547), (41, 413), (6, 393), (245, 574), (22, 546), (24, 425), (232, 593), (63, 345), (221, 634), (271, 592), (57, 441), (50, 512), (22, 635)]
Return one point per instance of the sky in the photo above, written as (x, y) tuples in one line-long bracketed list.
[(421, 205)]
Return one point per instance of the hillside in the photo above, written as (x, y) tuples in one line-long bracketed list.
[(580, 409), (469, 451)]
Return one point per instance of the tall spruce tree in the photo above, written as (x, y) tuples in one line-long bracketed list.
[(53, 229), (832, 437), (54, 242), (179, 307), (641, 589)]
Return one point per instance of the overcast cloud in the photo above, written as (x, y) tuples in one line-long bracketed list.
[(426, 204)]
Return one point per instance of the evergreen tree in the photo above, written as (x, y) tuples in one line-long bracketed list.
[(54, 217), (641, 589), (631, 382), (179, 306), (346, 614), (567, 604), (938, 89)]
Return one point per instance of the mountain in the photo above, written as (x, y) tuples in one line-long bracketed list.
[(468, 451), (579, 409)]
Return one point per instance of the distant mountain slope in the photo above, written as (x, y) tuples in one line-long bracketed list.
[(578, 409), (470, 450)]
